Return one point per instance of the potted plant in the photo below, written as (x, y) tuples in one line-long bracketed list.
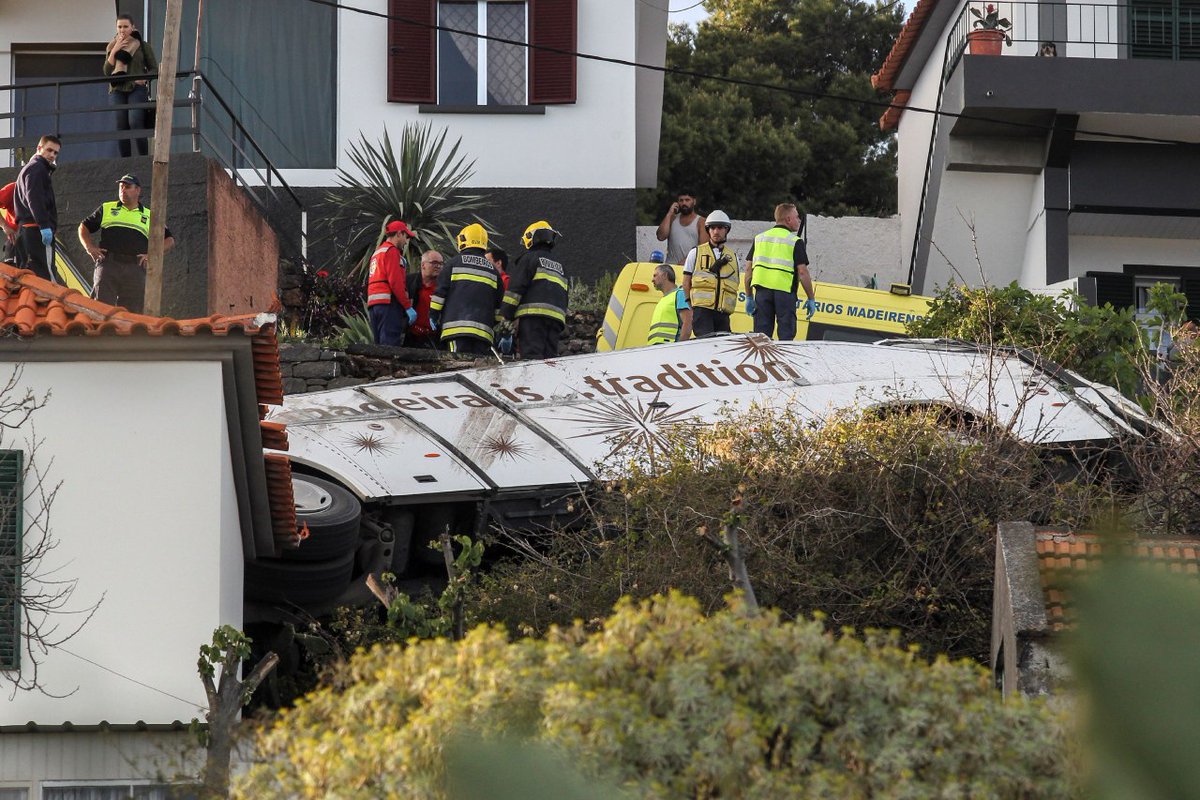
[(990, 32)]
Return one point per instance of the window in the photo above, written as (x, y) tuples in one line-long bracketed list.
[(1164, 29), (459, 69), (475, 71), (11, 494)]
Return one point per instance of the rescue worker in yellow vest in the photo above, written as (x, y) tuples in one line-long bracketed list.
[(124, 224), (672, 320), (776, 265), (711, 278), (465, 305), (537, 295)]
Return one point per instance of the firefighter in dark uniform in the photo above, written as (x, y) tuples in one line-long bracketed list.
[(464, 305), (537, 295), (124, 224)]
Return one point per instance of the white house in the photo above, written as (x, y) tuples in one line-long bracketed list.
[(1074, 169), (554, 135), (149, 436)]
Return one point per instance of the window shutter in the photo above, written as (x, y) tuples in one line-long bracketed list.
[(552, 23), (412, 69), (11, 496), (1115, 288), (1191, 289)]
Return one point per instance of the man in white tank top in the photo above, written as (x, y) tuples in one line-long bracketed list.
[(682, 228)]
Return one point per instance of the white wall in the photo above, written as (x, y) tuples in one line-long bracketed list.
[(1033, 261), (142, 519), (29, 760), (589, 144), (847, 250), (1112, 253), (996, 206)]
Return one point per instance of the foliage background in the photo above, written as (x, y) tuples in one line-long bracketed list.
[(667, 703), (743, 149)]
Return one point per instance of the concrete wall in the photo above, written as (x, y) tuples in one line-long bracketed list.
[(980, 231), (1112, 253), (847, 250), (243, 252), (141, 523), (225, 258), (33, 760)]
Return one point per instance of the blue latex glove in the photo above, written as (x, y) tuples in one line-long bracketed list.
[(506, 345), (810, 308), (412, 315), (434, 318), (750, 304), (47, 236)]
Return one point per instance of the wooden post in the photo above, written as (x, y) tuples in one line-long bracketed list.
[(164, 116)]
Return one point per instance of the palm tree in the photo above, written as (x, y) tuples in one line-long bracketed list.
[(422, 186)]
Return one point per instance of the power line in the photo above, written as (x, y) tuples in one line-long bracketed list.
[(808, 93), (134, 680)]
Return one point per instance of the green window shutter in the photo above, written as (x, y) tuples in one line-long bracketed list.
[(11, 523)]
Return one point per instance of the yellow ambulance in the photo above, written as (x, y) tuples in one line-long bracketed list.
[(844, 313)]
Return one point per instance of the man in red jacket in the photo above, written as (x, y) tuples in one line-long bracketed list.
[(388, 304), (8, 224)]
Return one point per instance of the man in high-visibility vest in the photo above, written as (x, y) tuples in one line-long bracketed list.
[(710, 278), (119, 278), (776, 265), (672, 320), (388, 304)]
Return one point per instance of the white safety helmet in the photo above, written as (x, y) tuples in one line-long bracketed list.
[(718, 218)]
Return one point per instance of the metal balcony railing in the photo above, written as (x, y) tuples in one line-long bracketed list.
[(1162, 29), (204, 123)]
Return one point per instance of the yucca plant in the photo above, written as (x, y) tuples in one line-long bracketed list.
[(355, 329), (421, 184)]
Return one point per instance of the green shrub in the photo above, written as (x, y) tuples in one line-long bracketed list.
[(877, 521), (1103, 344), (667, 703)]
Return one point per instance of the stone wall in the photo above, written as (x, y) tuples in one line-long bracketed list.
[(312, 368)]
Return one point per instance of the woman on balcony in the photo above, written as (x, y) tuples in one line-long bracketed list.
[(126, 57)]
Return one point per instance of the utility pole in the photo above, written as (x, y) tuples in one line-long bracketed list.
[(164, 117)]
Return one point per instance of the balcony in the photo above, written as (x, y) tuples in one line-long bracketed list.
[(1131, 69)]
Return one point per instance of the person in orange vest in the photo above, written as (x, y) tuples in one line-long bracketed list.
[(388, 304)]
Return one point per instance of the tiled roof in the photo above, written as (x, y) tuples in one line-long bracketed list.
[(885, 79), (1062, 554), (890, 119), (32, 307)]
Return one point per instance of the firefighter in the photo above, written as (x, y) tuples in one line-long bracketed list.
[(710, 278), (388, 304), (464, 306), (537, 297)]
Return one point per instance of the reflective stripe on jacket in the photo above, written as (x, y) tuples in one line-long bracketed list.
[(468, 293), (774, 259), (715, 288), (387, 277), (664, 325), (538, 287)]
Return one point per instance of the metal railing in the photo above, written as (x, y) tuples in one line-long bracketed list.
[(211, 127), (1088, 30)]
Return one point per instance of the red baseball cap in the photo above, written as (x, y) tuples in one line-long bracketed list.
[(398, 226)]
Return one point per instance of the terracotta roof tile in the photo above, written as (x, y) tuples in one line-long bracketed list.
[(884, 80), (1061, 554), (30, 306), (283, 502), (274, 435)]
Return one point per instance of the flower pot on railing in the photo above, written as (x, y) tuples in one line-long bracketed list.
[(989, 32), (985, 42)]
